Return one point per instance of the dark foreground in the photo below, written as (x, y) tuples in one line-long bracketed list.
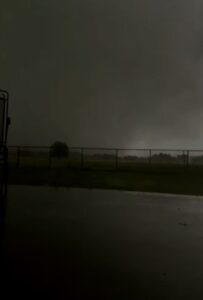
[(163, 179), (81, 244)]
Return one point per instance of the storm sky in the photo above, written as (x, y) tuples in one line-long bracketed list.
[(109, 73)]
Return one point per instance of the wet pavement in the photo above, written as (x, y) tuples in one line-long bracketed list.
[(64, 243)]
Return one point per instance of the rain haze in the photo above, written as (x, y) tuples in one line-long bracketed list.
[(83, 223), (104, 73)]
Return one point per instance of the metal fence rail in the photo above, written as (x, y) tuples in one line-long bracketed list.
[(102, 158)]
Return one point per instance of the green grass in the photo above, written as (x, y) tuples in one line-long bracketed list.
[(164, 179)]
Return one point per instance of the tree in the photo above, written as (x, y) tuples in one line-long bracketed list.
[(59, 149)]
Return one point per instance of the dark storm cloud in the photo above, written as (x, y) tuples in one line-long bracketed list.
[(104, 73)]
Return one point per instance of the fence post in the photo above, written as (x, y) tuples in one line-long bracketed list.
[(184, 158), (188, 158), (50, 158), (117, 157), (150, 156), (82, 158), (18, 157)]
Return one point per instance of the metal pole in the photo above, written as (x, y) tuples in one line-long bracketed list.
[(117, 157), (4, 180), (82, 158), (188, 158), (184, 158), (18, 157), (150, 156), (50, 158)]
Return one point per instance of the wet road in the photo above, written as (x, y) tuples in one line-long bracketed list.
[(87, 244)]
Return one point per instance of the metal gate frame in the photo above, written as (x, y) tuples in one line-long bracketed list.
[(4, 97)]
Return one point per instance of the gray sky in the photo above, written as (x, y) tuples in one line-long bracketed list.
[(104, 72)]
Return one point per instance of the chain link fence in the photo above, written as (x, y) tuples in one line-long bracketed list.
[(102, 158)]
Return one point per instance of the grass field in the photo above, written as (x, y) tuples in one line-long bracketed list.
[(156, 178), (177, 175)]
